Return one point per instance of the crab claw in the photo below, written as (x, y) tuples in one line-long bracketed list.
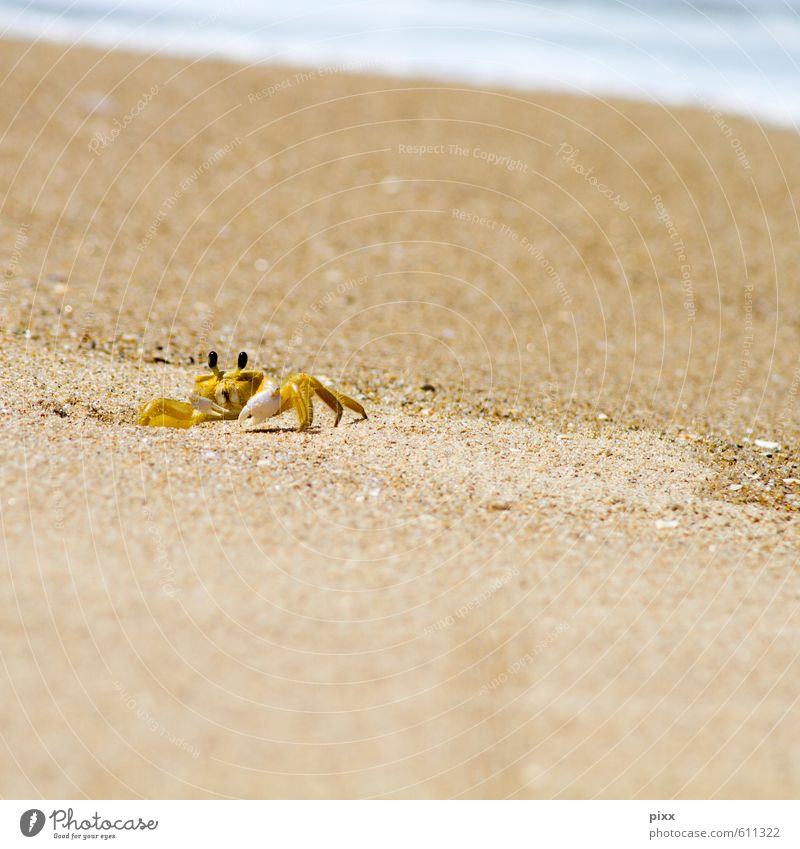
[(205, 405), (263, 405)]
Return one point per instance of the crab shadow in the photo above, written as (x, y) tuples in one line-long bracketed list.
[(312, 429), (281, 430)]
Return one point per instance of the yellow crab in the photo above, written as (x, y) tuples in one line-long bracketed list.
[(245, 394)]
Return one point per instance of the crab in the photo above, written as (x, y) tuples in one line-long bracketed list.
[(246, 395)]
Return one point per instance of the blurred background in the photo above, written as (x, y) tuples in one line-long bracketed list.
[(734, 55), (548, 249)]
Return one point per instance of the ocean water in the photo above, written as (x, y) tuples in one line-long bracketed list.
[(737, 56)]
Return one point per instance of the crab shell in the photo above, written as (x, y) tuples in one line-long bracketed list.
[(232, 390)]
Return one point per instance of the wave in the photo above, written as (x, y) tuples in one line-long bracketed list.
[(733, 56)]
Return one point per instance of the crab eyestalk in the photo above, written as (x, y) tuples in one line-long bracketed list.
[(212, 364), (242, 361)]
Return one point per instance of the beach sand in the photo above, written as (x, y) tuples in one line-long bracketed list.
[(554, 562)]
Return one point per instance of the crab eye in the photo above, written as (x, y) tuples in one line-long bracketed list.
[(242, 359), (212, 359)]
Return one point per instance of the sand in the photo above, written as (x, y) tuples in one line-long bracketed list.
[(554, 562)]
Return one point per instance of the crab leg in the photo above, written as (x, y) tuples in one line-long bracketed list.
[(295, 393), (350, 403), (328, 397), (166, 412)]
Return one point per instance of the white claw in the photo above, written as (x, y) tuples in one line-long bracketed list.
[(262, 405), (205, 405)]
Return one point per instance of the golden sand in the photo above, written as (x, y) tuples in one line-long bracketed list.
[(554, 562)]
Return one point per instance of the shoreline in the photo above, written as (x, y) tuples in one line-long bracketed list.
[(302, 71)]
